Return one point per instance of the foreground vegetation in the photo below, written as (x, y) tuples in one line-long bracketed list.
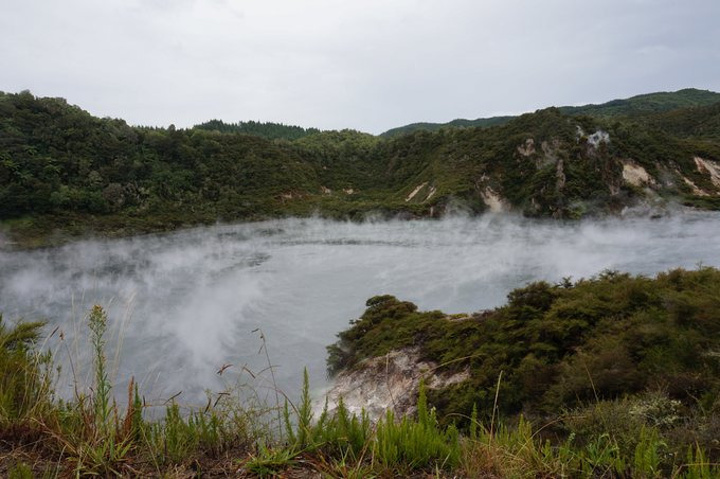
[(64, 172), (615, 376)]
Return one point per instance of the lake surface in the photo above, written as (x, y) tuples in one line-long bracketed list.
[(184, 304)]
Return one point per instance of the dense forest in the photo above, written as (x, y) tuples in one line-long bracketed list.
[(269, 130), (63, 171), (635, 106)]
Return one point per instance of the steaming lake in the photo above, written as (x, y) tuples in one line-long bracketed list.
[(184, 304)]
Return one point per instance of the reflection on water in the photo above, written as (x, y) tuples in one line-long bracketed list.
[(186, 303)]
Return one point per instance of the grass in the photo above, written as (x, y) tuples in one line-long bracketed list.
[(25, 389), (93, 436)]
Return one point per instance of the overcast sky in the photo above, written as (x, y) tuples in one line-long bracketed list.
[(365, 64)]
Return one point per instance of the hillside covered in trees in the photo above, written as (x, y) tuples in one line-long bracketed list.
[(272, 131), (634, 106), (63, 170)]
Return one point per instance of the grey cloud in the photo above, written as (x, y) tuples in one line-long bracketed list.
[(367, 65)]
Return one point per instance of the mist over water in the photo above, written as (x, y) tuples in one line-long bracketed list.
[(182, 305)]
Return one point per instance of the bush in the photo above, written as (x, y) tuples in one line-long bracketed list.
[(25, 389)]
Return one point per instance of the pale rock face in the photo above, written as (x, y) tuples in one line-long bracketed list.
[(493, 200), (560, 177), (550, 153), (636, 175), (415, 191), (709, 167), (388, 382), (289, 196), (528, 148), (696, 191), (422, 190)]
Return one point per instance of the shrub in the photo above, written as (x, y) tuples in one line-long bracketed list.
[(416, 444), (25, 382)]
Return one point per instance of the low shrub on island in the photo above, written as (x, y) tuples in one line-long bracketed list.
[(615, 354)]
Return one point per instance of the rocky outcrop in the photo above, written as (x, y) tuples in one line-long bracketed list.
[(493, 200), (694, 188), (414, 192), (422, 193), (388, 382), (635, 174), (709, 168), (527, 149)]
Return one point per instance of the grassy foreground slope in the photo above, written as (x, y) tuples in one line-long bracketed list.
[(615, 376)]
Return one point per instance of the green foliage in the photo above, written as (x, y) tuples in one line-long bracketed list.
[(602, 457), (648, 454), (25, 389), (210, 432), (459, 123), (405, 445), (631, 360), (667, 325), (270, 462), (300, 436), (344, 435), (562, 345), (648, 103), (63, 169), (177, 437), (703, 202), (269, 130), (698, 466), (21, 471), (339, 433), (98, 439), (358, 342), (102, 404), (416, 444), (101, 440), (637, 105), (517, 452)]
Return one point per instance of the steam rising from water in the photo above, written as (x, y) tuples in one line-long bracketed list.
[(183, 304)]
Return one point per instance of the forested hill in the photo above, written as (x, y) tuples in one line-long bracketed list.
[(272, 131), (458, 123), (63, 170), (637, 105), (648, 103)]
